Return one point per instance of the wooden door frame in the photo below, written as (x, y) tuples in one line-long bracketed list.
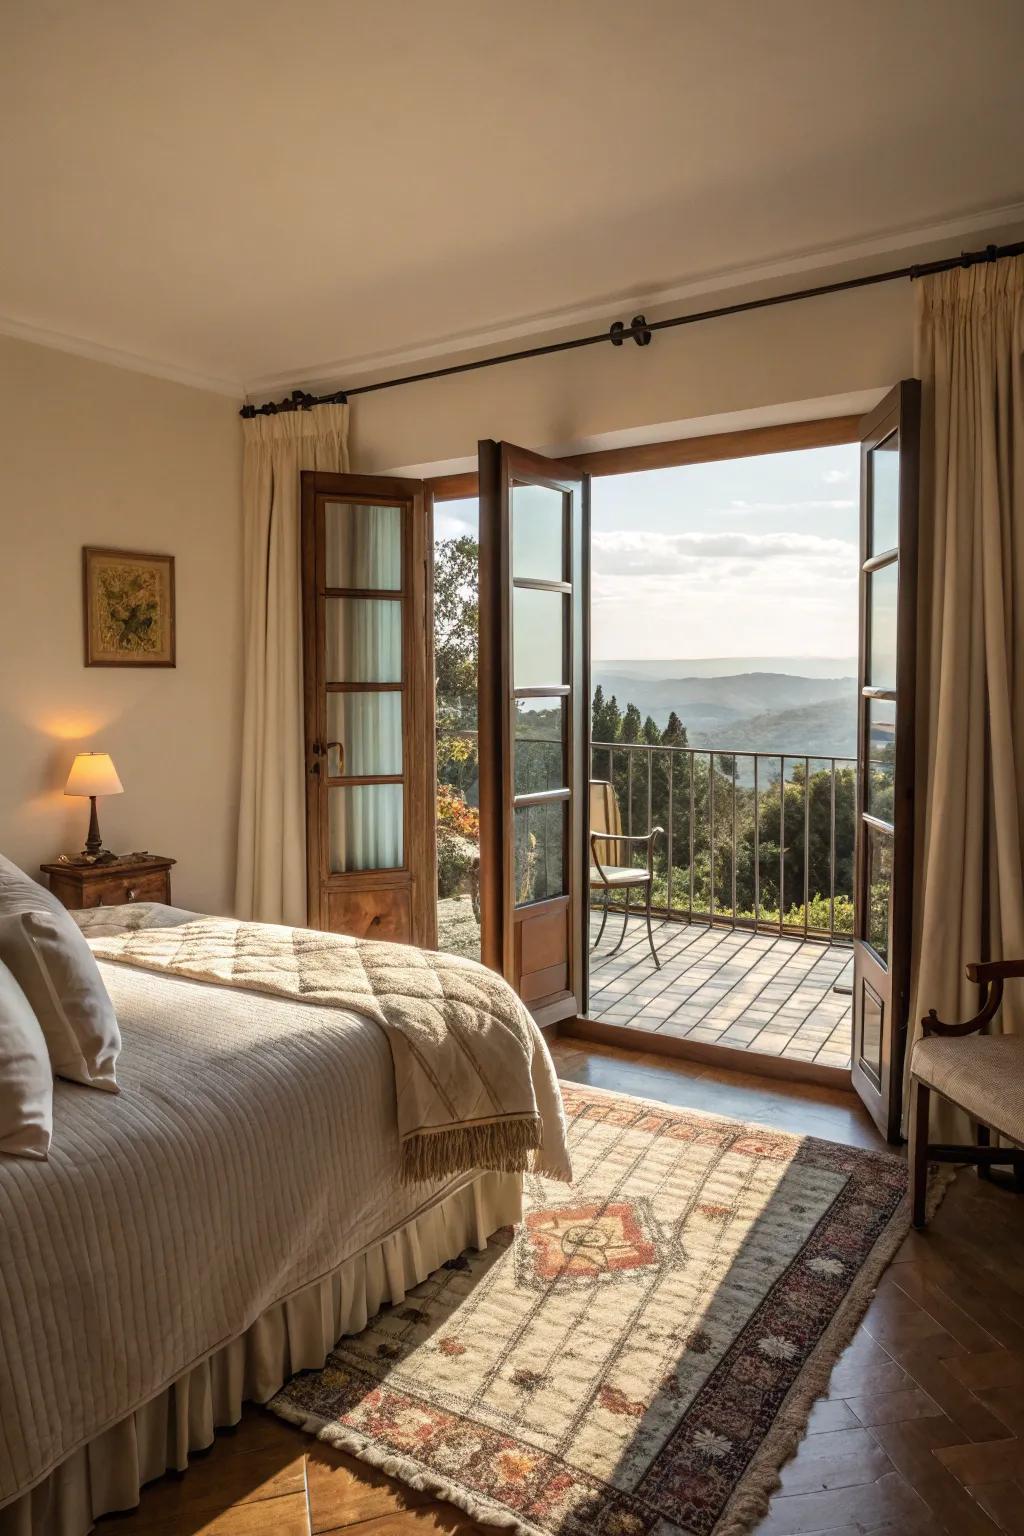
[(746, 442), (417, 873), (502, 922), (901, 409)]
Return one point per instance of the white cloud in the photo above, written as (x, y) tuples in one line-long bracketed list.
[(837, 477), (815, 505), (637, 551)]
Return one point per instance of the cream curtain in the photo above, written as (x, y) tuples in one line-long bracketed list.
[(270, 883), (970, 799)]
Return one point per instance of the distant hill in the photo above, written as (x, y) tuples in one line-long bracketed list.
[(754, 710), (827, 728)]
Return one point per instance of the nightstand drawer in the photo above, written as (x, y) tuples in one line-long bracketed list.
[(114, 884), (125, 888)]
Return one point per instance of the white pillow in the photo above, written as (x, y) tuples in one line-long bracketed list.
[(56, 970), (26, 1077)]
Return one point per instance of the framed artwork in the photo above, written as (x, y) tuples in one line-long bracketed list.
[(128, 607)]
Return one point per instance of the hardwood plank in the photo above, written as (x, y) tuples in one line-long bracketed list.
[(891, 1500), (910, 1448), (894, 1407), (984, 1463), (344, 1490), (284, 1516), (1004, 1503)]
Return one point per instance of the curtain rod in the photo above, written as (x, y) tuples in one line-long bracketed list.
[(639, 329)]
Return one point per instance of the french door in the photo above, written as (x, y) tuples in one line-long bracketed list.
[(368, 678), (534, 725), (885, 803)]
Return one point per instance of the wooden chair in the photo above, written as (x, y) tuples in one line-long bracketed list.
[(606, 873), (983, 1075)]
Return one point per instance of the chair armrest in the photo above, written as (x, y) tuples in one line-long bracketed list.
[(622, 837), (984, 971), (990, 975)]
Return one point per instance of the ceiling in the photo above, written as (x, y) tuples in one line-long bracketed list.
[(255, 193)]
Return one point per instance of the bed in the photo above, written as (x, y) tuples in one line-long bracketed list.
[(201, 1236)]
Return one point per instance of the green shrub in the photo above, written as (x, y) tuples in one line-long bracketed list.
[(455, 857)]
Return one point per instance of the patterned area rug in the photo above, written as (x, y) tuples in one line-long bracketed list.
[(639, 1356)]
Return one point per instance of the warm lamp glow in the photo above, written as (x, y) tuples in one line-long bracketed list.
[(93, 773)]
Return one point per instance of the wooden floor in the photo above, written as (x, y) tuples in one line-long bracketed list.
[(922, 1430), (758, 992)]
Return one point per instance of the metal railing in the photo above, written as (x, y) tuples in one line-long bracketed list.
[(759, 840), (762, 840)]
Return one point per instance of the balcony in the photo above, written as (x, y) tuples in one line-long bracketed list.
[(751, 900)]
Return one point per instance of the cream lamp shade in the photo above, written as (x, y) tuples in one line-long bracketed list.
[(93, 773)]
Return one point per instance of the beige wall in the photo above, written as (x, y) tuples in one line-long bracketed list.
[(94, 454), (91, 454), (766, 360)]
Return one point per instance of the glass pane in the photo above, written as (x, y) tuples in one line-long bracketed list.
[(456, 593), (364, 733), (539, 745), (883, 588), (363, 546), (870, 1052), (538, 517), (365, 827), (881, 768), (879, 891), (538, 637), (885, 496), (364, 640), (539, 852)]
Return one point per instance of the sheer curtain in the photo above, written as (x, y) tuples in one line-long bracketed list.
[(270, 883), (364, 645), (970, 798)]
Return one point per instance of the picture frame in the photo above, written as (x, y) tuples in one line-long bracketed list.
[(128, 608)]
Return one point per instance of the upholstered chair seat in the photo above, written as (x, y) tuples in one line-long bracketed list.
[(984, 1074)]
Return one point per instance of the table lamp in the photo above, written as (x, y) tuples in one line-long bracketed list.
[(92, 774)]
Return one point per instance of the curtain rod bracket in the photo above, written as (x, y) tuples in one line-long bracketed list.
[(637, 328)]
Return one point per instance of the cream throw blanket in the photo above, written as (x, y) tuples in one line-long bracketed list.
[(475, 1084)]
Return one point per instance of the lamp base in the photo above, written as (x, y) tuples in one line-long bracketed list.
[(94, 851)]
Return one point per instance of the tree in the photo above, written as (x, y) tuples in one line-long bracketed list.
[(651, 734), (456, 662), (674, 734), (631, 724), (456, 630), (605, 717)]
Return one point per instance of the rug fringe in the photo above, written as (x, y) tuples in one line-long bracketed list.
[(764, 1475), (404, 1468), (503, 1146)]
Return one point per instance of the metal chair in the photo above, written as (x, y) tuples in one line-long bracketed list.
[(606, 875)]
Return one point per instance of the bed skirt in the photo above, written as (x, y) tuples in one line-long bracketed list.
[(297, 1334)]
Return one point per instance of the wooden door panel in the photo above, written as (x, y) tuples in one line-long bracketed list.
[(373, 913), (368, 679), (883, 890), (543, 939)]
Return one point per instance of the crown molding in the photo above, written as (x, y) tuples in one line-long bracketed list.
[(96, 352), (349, 370)]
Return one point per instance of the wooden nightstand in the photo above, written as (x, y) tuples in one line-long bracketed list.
[(136, 877)]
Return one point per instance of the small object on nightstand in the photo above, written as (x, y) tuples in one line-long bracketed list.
[(134, 877), (92, 774)]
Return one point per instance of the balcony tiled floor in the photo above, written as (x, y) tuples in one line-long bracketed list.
[(749, 991)]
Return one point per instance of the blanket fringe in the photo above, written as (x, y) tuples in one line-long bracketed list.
[(503, 1146)]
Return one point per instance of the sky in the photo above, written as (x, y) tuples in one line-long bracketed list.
[(744, 557)]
